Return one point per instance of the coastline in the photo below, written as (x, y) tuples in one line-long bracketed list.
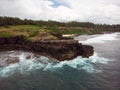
[(62, 49)]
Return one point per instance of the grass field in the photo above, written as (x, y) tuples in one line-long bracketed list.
[(34, 31), (27, 30)]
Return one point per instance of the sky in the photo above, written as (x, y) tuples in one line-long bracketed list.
[(95, 11)]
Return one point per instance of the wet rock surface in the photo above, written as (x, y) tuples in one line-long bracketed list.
[(61, 49)]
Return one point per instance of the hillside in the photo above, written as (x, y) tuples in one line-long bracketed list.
[(34, 30), (42, 29)]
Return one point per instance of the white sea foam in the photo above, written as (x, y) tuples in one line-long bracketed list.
[(33, 63), (101, 39), (44, 63)]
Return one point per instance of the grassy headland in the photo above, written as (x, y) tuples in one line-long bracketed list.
[(42, 29), (34, 31)]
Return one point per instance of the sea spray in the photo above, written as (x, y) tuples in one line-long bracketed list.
[(35, 63), (101, 38)]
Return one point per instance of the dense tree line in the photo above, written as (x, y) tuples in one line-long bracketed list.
[(5, 21)]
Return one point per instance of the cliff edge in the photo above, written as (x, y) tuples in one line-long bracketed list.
[(60, 49)]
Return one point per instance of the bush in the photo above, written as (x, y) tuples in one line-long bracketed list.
[(33, 33)]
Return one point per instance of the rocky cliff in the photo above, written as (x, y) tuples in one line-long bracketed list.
[(62, 49)]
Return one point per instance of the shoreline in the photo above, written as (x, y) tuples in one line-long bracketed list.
[(74, 35), (65, 49)]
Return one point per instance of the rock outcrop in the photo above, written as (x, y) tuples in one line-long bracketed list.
[(62, 49)]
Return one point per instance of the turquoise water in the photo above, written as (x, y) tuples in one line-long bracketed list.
[(99, 72)]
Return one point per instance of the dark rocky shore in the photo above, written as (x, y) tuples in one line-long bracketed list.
[(62, 49)]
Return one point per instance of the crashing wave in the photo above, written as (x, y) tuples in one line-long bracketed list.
[(34, 63), (101, 39)]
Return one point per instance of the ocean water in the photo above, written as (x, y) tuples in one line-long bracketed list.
[(98, 72)]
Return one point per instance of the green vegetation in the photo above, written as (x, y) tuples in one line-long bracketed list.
[(40, 29), (51, 28), (26, 30), (31, 30), (34, 33), (76, 32), (24, 27), (5, 34)]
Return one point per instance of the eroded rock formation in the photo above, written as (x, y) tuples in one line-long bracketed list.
[(62, 49)]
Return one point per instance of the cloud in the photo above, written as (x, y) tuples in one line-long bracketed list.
[(96, 11), (57, 3)]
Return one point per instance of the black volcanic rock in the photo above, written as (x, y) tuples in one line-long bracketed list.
[(62, 49)]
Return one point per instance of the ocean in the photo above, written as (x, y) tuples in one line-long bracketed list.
[(98, 72)]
